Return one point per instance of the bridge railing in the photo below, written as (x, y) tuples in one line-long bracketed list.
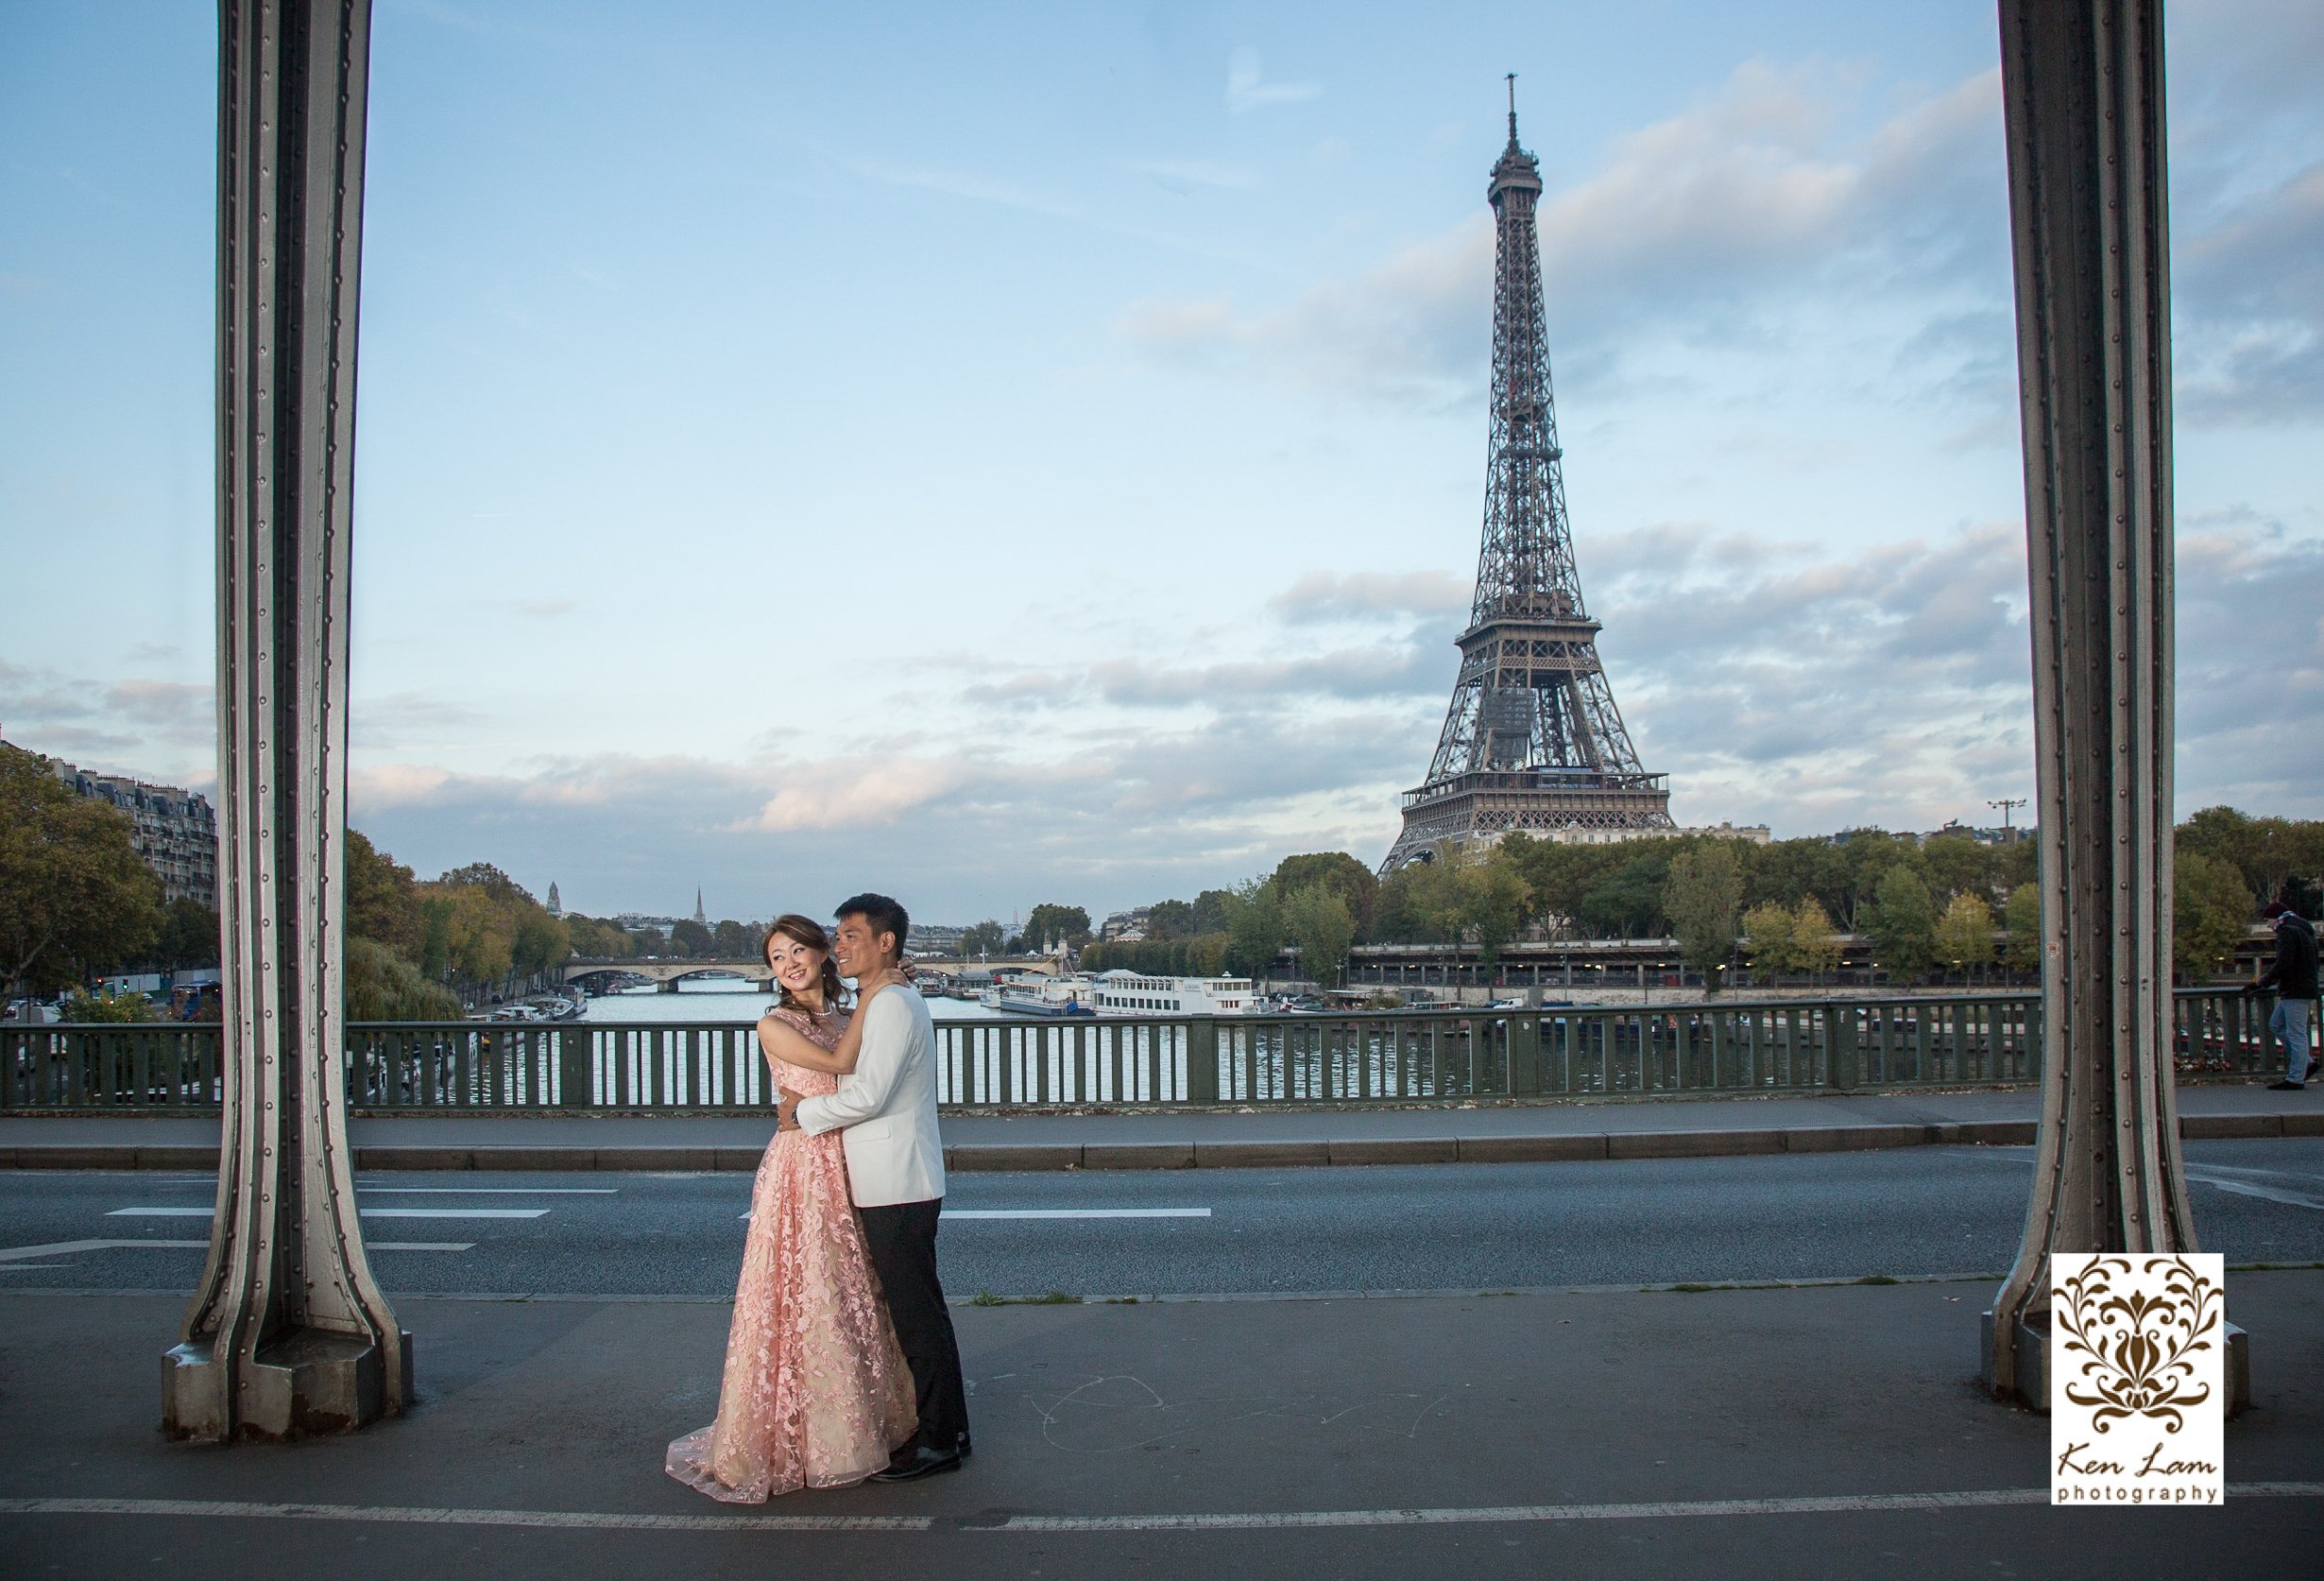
[(1730, 1046)]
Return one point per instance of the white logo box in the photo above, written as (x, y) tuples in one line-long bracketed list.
[(2138, 1377)]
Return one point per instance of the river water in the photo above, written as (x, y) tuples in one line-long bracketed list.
[(730, 1002)]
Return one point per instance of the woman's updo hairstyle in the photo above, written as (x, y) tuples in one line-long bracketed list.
[(807, 931)]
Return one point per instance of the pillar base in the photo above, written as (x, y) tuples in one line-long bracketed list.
[(2033, 1363), (307, 1383)]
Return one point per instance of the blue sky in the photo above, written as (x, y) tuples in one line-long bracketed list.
[(1027, 453)]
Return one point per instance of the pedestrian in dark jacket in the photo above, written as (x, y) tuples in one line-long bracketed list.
[(2293, 976)]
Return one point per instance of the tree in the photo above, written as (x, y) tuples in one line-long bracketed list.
[(1902, 922), (1964, 935), (382, 985), (1048, 925), (1626, 903), (96, 1006), (189, 936), (596, 940), (1702, 895), (1317, 919), (2022, 918), (382, 899), (1254, 928), (2210, 912), (1772, 930), (74, 896), (1816, 943), (1493, 898), (982, 939), (690, 939), (1958, 864), (1349, 879), (1170, 919), (738, 942)]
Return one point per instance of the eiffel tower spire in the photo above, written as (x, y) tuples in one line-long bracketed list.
[(1532, 740)]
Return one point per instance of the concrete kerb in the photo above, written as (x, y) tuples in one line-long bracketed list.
[(1275, 1154)]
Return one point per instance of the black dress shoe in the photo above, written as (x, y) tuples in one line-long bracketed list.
[(918, 1461), (2287, 1085), (965, 1449)]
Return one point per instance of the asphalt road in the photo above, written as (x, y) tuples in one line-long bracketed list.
[(1926, 1211)]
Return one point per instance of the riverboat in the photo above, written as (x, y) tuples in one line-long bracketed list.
[(1122, 992), (1040, 996)]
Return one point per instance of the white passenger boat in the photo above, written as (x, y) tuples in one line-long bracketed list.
[(1040, 996), (1122, 992)]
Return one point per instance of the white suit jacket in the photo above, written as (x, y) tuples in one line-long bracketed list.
[(885, 1111)]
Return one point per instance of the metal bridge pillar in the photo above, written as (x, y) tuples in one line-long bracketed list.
[(287, 1333), (2082, 95)]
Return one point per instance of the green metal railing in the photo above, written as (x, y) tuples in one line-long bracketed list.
[(1730, 1046)]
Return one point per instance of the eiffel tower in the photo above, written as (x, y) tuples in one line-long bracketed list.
[(1532, 740)]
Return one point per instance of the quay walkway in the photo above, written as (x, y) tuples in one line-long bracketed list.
[(1276, 1137)]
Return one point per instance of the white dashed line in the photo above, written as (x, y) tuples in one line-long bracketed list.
[(367, 1213), (1993, 1498), (1077, 1212)]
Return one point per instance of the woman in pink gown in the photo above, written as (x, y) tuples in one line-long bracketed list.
[(816, 1393)]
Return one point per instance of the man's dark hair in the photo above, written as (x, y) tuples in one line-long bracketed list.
[(883, 914)]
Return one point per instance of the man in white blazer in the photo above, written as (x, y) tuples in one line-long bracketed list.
[(886, 1113)]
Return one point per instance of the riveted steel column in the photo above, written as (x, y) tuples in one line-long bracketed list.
[(288, 1333), (2082, 92)]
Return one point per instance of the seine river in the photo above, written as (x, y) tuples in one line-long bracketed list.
[(728, 1001)]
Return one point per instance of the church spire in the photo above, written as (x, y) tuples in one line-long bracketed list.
[(700, 916)]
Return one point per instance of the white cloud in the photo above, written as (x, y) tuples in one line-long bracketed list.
[(1709, 226), (1247, 88)]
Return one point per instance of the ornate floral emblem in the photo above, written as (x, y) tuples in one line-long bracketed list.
[(2134, 1347)]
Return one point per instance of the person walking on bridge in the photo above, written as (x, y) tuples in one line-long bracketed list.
[(2293, 978)]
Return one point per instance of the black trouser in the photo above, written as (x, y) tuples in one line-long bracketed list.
[(902, 1241)]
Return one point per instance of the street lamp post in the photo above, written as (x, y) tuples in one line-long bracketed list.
[(2082, 92), (287, 1333)]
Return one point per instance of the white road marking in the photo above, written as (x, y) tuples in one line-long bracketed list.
[(65, 1248), (412, 1516), (489, 1191), (2242, 1182), (1993, 1498), (367, 1213), (1068, 1213), (1077, 1212)]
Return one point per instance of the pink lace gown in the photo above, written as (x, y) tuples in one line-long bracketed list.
[(816, 1393)]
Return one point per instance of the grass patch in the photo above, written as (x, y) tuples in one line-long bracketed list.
[(1878, 1279), (1051, 1298), (1121, 1300)]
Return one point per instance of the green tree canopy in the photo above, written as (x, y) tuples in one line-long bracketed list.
[(74, 899), (1354, 883), (382, 985), (1772, 929), (1816, 943), (1963, 937), (1317, 919), (1902, 921), (983, 938), (189, 937), (1702, 895), (1048, 925), (2211, 913), (1254, 928), (382, 899), (2022, 919)]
